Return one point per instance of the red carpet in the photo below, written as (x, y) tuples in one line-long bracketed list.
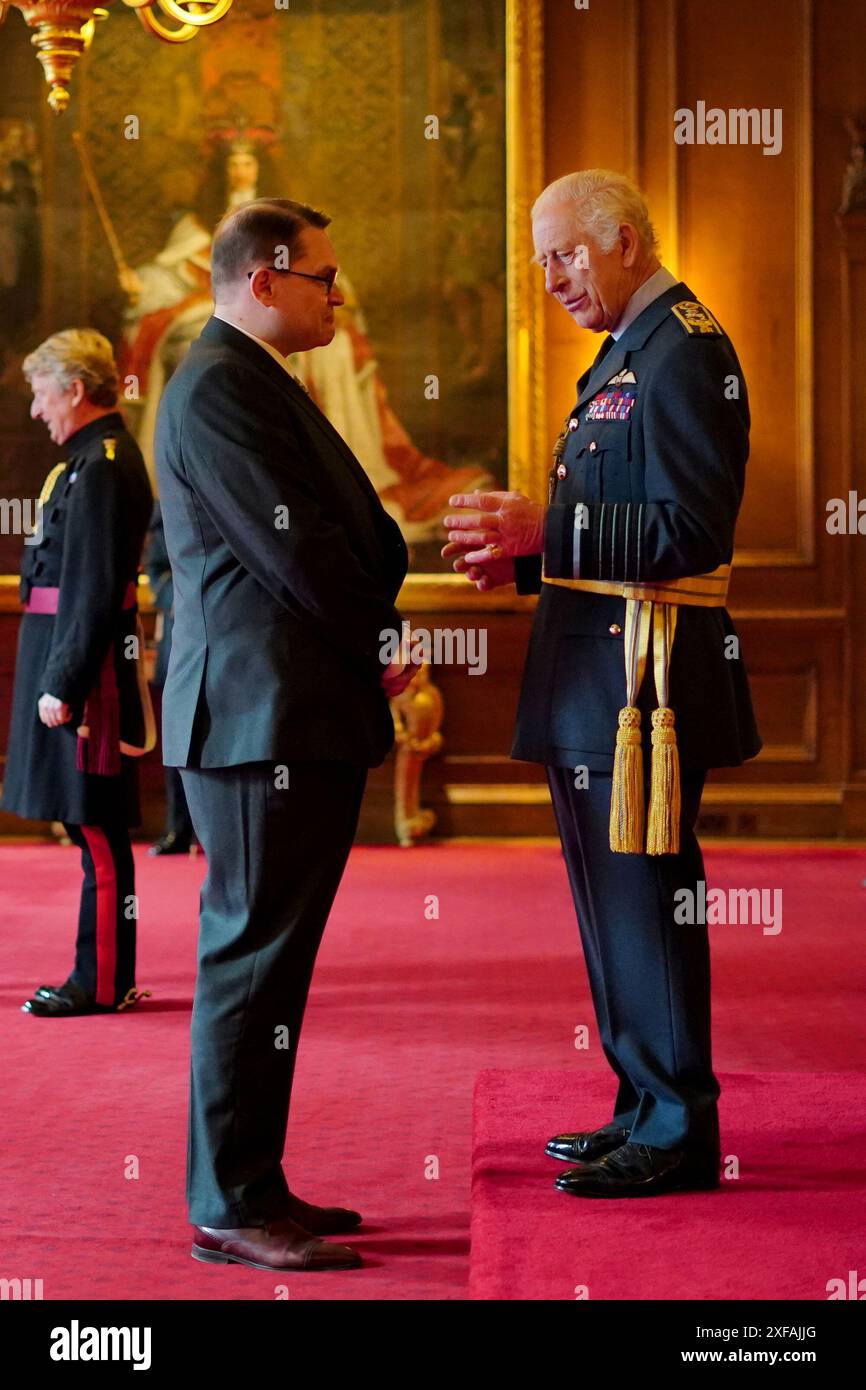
[(790, 1221), (404, 1014)]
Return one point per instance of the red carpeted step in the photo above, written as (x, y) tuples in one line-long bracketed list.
[(407, 1006), (790, 1222)]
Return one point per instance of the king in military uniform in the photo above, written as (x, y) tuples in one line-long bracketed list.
[(634, 685), (80, 710)]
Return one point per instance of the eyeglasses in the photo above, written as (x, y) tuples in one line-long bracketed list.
[(326, 280)]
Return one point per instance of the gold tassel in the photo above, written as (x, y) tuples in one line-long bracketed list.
[(627, 798), (663, 827)]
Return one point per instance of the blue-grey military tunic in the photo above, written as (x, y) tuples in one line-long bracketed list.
[(655, 453)]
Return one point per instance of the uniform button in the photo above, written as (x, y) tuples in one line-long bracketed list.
[(573, 425), (614, 629), (562, 472), (593, 446)]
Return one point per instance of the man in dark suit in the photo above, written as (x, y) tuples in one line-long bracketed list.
[(286, 568), (177, 836), (647, 482)]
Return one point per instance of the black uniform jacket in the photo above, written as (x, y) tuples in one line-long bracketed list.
[(93, 528), (661, 481), (285, 569)]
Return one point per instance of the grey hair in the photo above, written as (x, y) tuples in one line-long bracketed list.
[(77, 354), (602, 201)]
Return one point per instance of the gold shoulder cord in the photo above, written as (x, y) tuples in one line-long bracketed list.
[(558, 451), (48, 485)]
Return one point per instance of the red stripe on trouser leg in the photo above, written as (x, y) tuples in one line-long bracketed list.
[(106, 911)]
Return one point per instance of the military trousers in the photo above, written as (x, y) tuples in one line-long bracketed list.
[(107, 913), (649, 976)]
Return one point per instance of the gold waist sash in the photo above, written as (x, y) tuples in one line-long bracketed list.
[(700, 590), (650, 609)]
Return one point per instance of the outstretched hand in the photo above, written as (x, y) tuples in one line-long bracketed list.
[(495, 526)]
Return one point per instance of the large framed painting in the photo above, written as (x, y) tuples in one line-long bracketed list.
[(415, 124)]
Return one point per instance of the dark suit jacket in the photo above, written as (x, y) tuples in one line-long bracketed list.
[(661, 490), (155, 564), (277, 618)]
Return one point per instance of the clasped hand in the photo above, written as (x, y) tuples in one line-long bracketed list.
[(398, 674), (53, 712)]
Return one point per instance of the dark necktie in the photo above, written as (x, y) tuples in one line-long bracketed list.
[(604, 350)]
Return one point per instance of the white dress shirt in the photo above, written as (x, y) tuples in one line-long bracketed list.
[(268, 347), (643, 295)]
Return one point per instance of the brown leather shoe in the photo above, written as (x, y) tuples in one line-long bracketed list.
[(323, 1221), (280, 1245)]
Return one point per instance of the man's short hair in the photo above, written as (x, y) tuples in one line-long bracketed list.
[(77, 354), (252, 235), (603, 201)]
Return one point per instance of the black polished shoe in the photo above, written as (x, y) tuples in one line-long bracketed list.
[(171, 843), (639, 1170), (71, 1001), (46, 991), (587, 1145)]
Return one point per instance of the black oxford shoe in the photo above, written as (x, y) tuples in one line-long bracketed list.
[(585, 1146), (46, 991), (639, 1170), (71, 1001)]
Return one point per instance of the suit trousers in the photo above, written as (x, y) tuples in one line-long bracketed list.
[(649, 976), (176, 810), (275, 856)]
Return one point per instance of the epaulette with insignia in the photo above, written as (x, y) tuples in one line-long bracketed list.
[(695, 319), (109, 444)]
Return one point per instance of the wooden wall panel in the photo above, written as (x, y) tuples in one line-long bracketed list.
[(745, 246), (854, 396), (588, 56), (755, 236)]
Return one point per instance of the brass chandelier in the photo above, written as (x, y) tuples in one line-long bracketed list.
[(63, 29)]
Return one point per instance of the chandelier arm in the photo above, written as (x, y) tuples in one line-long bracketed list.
[(64, 29), (182, 11), (154, 26)]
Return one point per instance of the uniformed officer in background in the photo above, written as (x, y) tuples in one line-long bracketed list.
[(80, 707), (634, 686)]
